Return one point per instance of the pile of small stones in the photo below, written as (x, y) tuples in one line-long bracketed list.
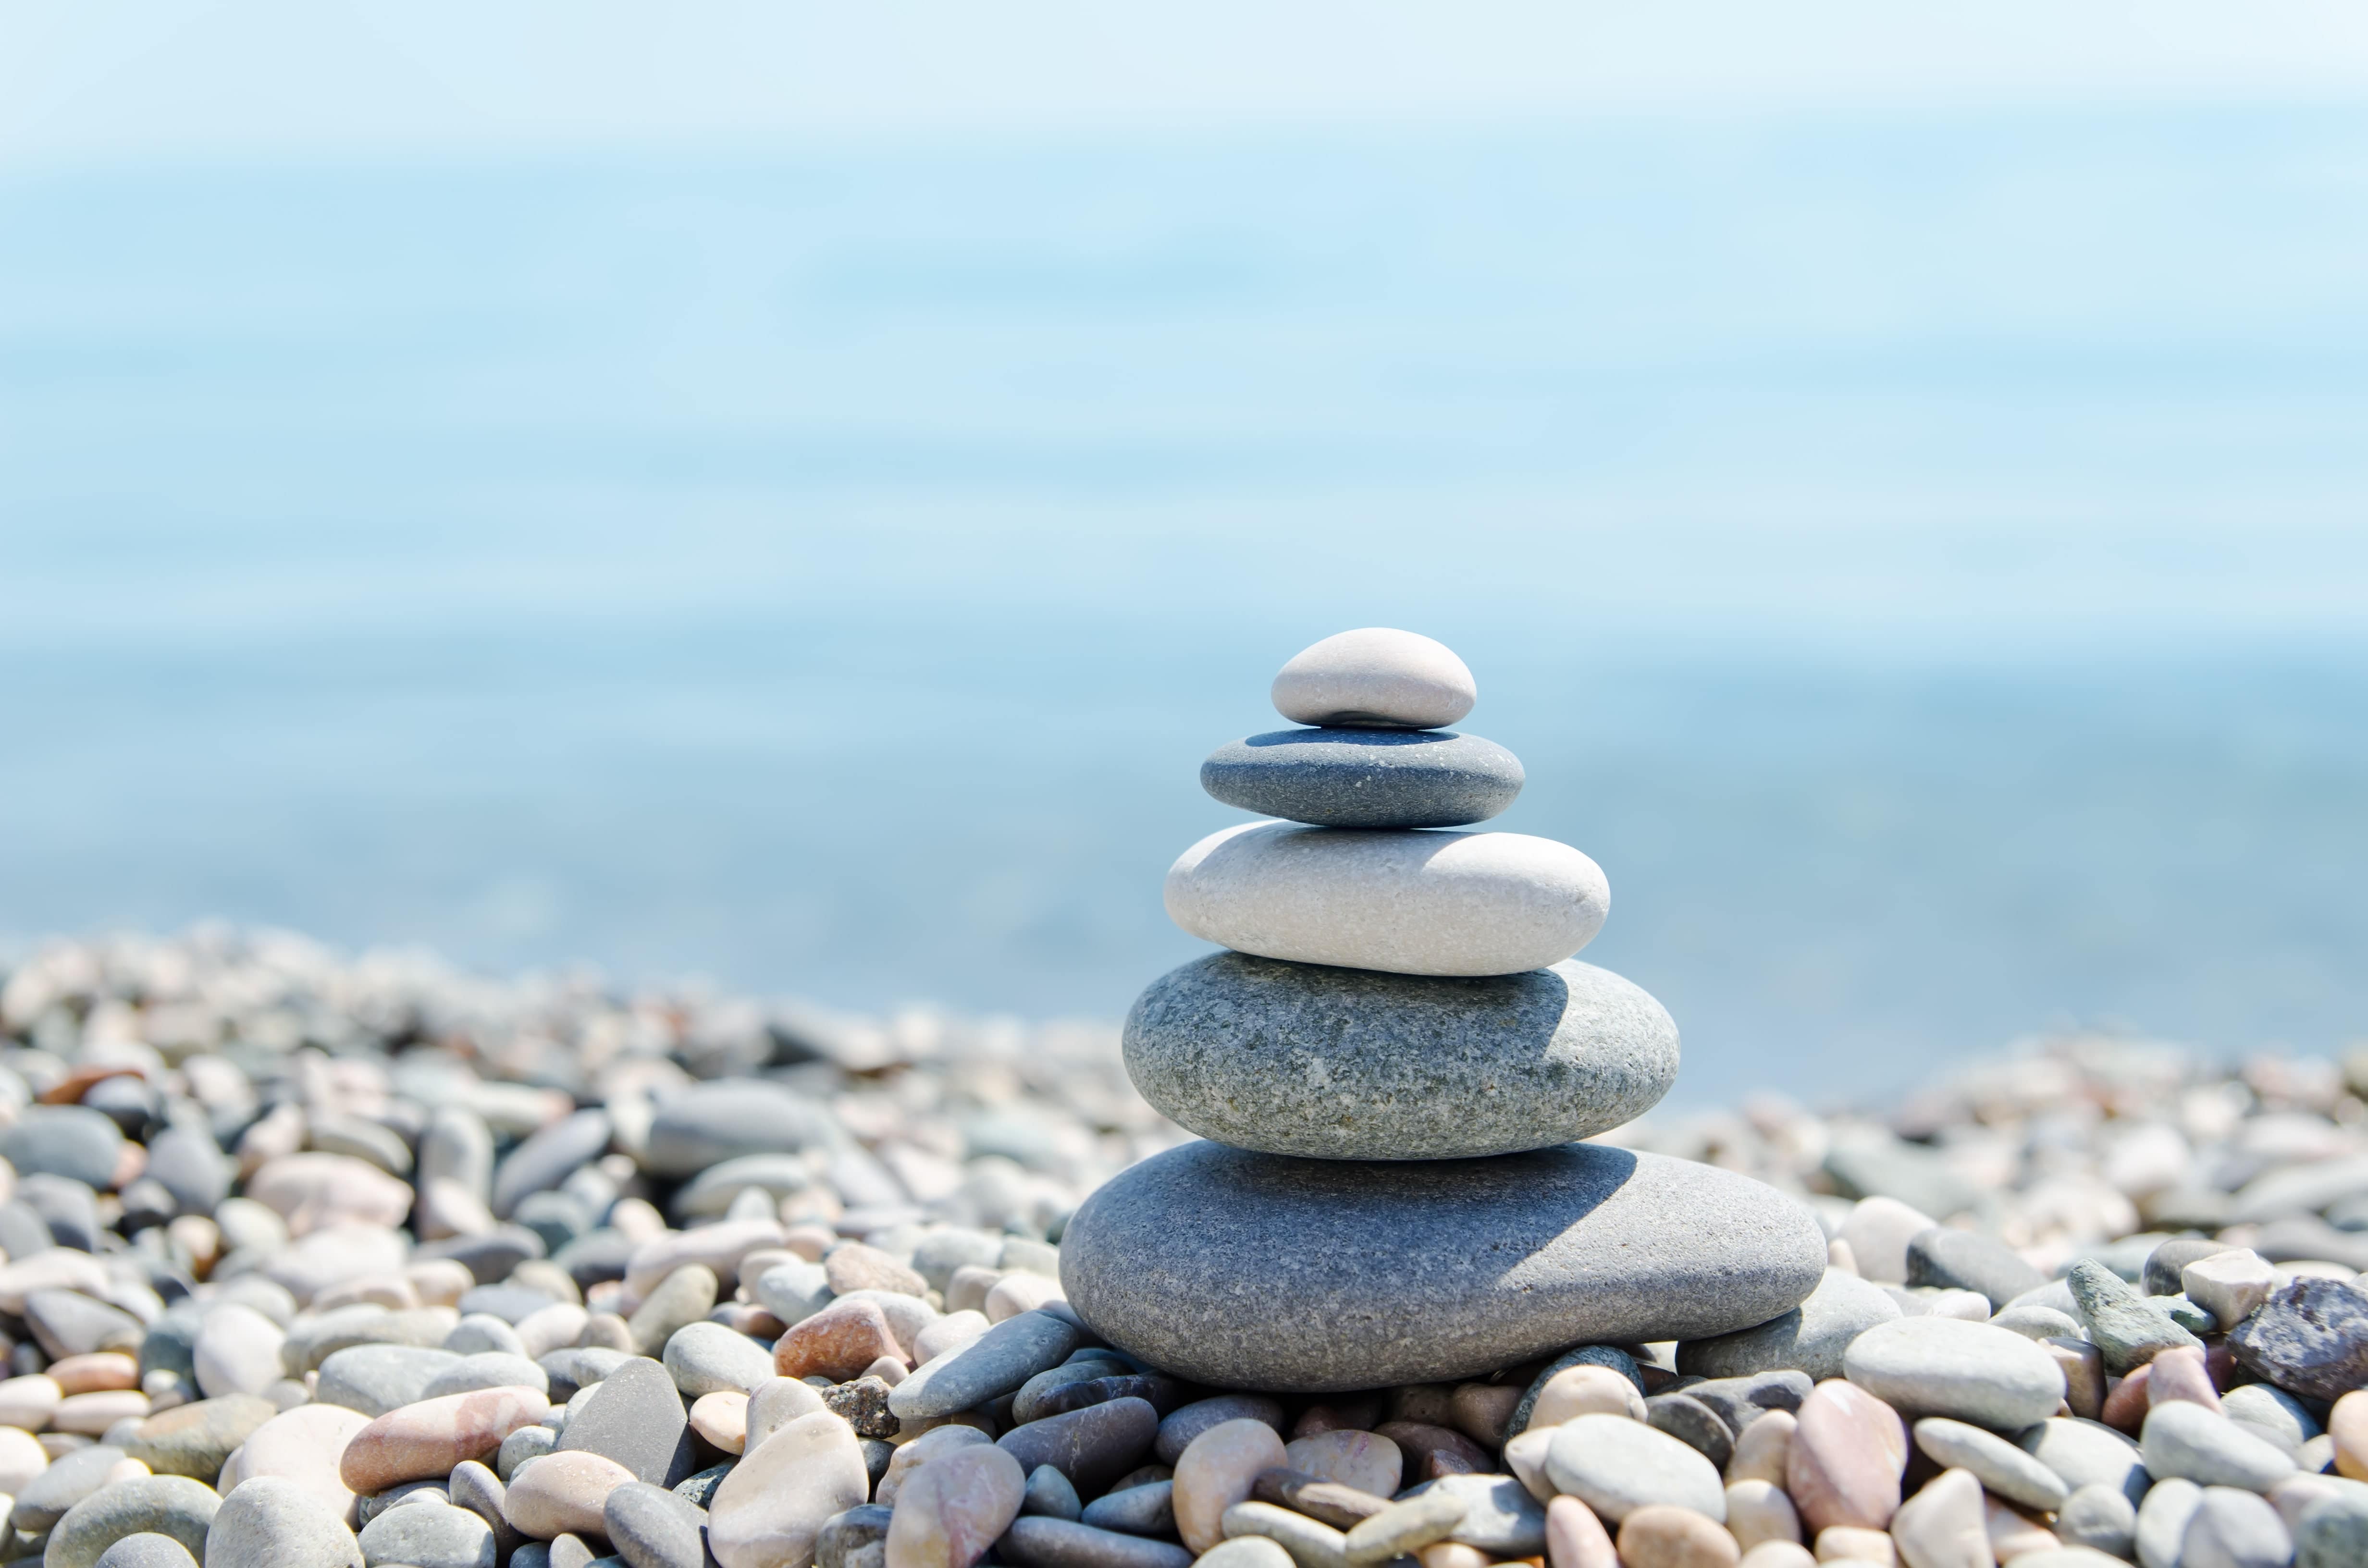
[(313, 1263)]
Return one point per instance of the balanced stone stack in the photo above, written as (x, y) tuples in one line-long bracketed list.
[(1393, 1065)]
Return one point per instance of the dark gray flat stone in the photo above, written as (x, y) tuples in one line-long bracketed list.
[(2126, 1330), (1967, 1260), (999, 1362), (550, 1157), (1092, 1447), (652, 1528), (1337, 777), (1356, 1064), (635, 1417), (2310, 1338), (1037, 1542), (1250, 1270)]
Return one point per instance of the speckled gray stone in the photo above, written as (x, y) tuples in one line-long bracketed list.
[(634, 1416), (167, 1505), (2310, 1338), (652, 1528), (1810, 1338), (70, 1479), (146, 1550), (1413, 1273), (1355, 1064), (375, 1379), (1500, 1517), (1967, 1260), (1340, 778), (2126, 1330), (429, 1534), (999, 1362)]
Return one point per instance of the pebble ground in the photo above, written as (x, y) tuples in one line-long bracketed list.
[(312, 1261)]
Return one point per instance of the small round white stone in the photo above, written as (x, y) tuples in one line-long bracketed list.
[(1375, 678), (1407, 903)]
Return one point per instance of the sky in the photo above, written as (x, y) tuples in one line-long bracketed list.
[(308, 80)]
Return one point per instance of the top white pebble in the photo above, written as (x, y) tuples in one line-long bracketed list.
[(1375, 678)]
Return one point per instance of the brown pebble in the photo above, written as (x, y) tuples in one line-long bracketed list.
[(1483, 1411), (2179, 1373), (2083, 1366), (1432, 1404), (855, 1266), (2126, 1403), (1352, 1413), (1660, 1536), (1433, 1452), (1365, 1460), (837, 1343), (1342, 1506)]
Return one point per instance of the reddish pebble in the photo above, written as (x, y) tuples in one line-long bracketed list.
[(2126, 1402), (2179, 1373), (837, 1343), (1848, 1452), (1576, 1538), (418, 1441), (1433, 1452)]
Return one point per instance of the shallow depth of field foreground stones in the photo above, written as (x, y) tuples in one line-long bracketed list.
[(311, 1261)]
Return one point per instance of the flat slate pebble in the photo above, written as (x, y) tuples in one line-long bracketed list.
[(1353, 1064), (1035, 1541), (1372, 779), (1612, 1246), (652, 1528), (997, 1363), (1809, 1338), (634, 1416)]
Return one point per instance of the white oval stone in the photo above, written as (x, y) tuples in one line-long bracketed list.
[(1407, 903), (1375, 678)]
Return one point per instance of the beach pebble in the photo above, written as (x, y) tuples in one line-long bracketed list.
[(1586, 1390), (2310, 1338), (194, 1440), (147, 1550), (1308, 1540), (1180, 1426), (1878, 1230), (1149, 1510), (488, 1369), (1615, 1465), (1403, 1527), (774, 1502), (997, 1363), (1374, 677), (1694, 1424), (171, 1506), (652, 1528), (2332, 1532), (1810, 1338), (305, 1446), (1245, 1551), (1576, 1538), (2191, 1443), (1763, 1450), (2270, 1413), (2126, 1330), (2235, 1529), (2084, 1453), (429, 1535), (375, 1379), (1942, 1526), (706, 1357), (237, 1351), (1369, 778), (1845, 1459), (636, 1418), (1970, 1371), (1036, 1542), (563, 1491), (952, 1509), (1365, 1460), (2229, 1284), (1436, 903), (1500, 1517), (1614, 1243), (1968, 1260), (1659, 1536), (1216, 1471), (426, 1439)]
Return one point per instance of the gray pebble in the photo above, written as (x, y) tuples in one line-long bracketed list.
[(481, 1332), (547, 1158), (1342, 777), (1692, 1422), (636, 1418), (69, 1141), (1331, 1063), (512, 1304), (526, 1443), (1034, 1541), (1967, 1260), (2270, 1413), (2163, 1518), (2099, 1517), (2191, 1443), (706, 1358), (70, 1477), (1050, 1493), (375, 1379), (2087, 1453), (1969, 1371), (1187, 1421), (846, 1535), (1809, 1340), (2126, 1330), (579, 1366), (1615, 1466), (1739, 1402), (997, 1363), (147, 1551), (699, 1489), (1997, 1464), (2333, 1531), (429, 1535), (1149, 1510), (409, 1493), (652, 1528), (707, 1124), (473, 1486), (1093, 1447), (1500, 1517), (2040, 1323), (488, 1369), (1610, 1356), (2310, 1338), (2235, 1529), (174, 1505)]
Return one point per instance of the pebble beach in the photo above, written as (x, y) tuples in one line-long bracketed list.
[(1366, 1239)]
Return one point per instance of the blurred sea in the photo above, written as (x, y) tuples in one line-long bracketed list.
[(1920, 558)]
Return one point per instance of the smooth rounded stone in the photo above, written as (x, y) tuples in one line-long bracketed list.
[(1878, 1229), (865, 1526), (634, 1416), (2088, 1453), (29, 1402), (1368, 778), (1843, 1464), (2310, 1338), (147, 1550), (684, 1297), (2038, 1323), (1967, 1260), (2235, 1529), (42, 1499), (1245, 1551), (721, 1419), (652, 1528), (1405, 1526), (312, 1342), (237, 1351), (1943, 1525), (2163, 1517), (1031, 1401), (1997, 1463), (838, 1342), (304, 1447), (547, 1158), (1178, 1260), (579, 1366), (1309, 1541), (407, 1493), (67, 1322), (1615, 1466), (708, 1195), (526, 1443), (426, 1439), (1692, 1422), (853, 1265), (707, 1358), (1809, 1340), (2127, 1331), (375, 1379), (1036, 1542), (1659, 1536), (1375, 678), (1499, 1517), (1355, 1064), (1092, 1447), (1426, 903), (952, 1509), (1149, 1510), (1366, 1461), (478, 1333), (477, 1489), (2333, 1532), (1576, 1538), (194, 1440), (1216, 1471), (488, 1369), (770, 1507), (509, 1303), (171, 1506), (2162, 1271), (2099, 1517), (997, 1363), (1051, 1494), (1187, 1421), (2186, 1441), (1970, 1371), (1610, 1356), (1763, 1450), (1739, 1402), (74, 1141), (562, 1492), (429, 1535), (2228, 1284), (490, 1257), (1759, 1510), (793, 1291), (707, 1124), (22, 1458)]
